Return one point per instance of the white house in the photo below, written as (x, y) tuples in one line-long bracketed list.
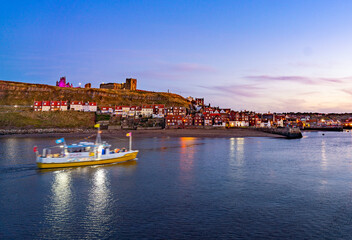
[(63, 106), (76, 106), (147, 110), (93, 107), (46, 106)]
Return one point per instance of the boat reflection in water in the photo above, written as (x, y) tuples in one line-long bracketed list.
[(58, 212), (84, 192), (99, 211)]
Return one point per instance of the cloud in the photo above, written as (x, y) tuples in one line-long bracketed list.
[(348, 91), (335, 80), (297, 79), (245, 90), (266, 78)]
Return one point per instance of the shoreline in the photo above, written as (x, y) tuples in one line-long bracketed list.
[(200, 133)]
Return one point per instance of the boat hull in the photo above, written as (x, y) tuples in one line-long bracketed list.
[(124, 158)]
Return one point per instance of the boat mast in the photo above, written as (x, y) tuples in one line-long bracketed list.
[(98, 140), (130, 141)]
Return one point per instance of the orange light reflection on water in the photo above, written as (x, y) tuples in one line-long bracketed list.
[(187, 153)]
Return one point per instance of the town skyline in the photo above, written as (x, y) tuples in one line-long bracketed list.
[(260, 56)]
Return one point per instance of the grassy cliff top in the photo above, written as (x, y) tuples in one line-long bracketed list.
[(29, 119), (19, 93)]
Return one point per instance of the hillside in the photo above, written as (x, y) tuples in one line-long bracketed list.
[(18, 93), (29, 119)]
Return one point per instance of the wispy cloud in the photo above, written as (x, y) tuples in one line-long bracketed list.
[(244, 90), (266, 78), (297, 79), (348, 91)]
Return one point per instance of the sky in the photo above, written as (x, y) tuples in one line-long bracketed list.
[(273, 55)]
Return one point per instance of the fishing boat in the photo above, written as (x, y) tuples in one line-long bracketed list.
[(83, 153)]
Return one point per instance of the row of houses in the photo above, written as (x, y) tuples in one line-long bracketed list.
[(45, 106), (217, 117), (155, 111)]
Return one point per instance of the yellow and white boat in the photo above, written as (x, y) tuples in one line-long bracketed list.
[(84, 154)]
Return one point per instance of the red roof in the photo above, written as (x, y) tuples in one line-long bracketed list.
[(76, 103), (178, 117), (147, 106), (92, 103), (159, 106), (46, 103), (55, 103)]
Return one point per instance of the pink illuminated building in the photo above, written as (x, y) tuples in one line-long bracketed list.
[(62, 83)]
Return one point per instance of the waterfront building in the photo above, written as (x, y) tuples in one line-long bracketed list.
[(198, 120), (224, 118), (279, 121), (159, 109), (173, 121), (147, 110), (254, 120), (125, 110), (268, 117), (187, 121), (138, 111), (265, 123), (217, 121), (208, 120), (118, 111), (132, 111)]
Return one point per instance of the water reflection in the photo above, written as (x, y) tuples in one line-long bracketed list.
[(324, 160), (187, 152), (61, 193), (236, 152), (11, 149), (58, 212), (99, 213), (232, 149), (224, 184)]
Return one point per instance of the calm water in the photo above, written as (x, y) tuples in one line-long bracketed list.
[(184, 188)]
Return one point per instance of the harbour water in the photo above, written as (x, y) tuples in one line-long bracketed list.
[(199, 188)]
